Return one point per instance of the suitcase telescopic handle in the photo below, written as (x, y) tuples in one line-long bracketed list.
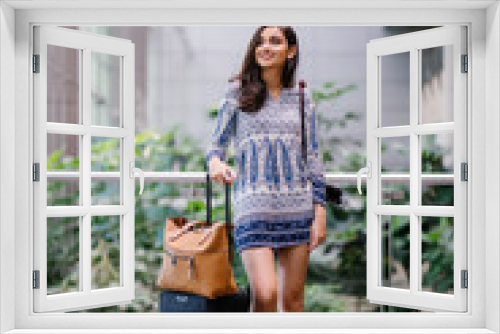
[(228, 214), (209, 200)]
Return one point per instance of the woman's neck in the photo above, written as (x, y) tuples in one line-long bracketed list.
[(271, 77)]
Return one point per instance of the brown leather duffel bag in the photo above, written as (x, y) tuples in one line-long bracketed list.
[(198, 255)]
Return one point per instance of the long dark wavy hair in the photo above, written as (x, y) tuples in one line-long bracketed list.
[(253, 90)]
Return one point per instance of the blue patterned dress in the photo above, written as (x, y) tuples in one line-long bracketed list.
[(274, 192)]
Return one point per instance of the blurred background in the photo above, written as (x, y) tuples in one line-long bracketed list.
[(181, 72)]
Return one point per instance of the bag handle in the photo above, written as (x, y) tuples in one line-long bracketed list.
[(184, 229)]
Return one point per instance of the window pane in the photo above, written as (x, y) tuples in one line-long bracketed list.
[(395, 161), (395, 89), (106, 156), (437, 254), (106, 107), (63, 84), (437, 169), (437, 85), (395, 232), (63, 167), (63, 254), (105, 251)]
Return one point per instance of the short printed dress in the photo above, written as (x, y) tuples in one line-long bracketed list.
[(275, 192)]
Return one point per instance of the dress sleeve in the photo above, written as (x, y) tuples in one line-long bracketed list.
[(224, 129), (315, 166)]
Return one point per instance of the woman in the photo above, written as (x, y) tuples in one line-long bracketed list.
[(279, 202)]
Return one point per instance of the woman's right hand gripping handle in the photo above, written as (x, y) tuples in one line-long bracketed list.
[(221, 172)]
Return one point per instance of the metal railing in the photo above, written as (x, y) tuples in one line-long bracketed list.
[(185, 177)]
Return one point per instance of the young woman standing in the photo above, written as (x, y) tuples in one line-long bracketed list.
[(279, 203)]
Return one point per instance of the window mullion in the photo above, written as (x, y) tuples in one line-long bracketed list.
[(86, 163), (415, 172)]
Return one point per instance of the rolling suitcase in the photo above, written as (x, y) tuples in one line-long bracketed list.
[(174, 300)]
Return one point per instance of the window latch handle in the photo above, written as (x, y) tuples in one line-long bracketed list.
[(365, 170), (134, 170)]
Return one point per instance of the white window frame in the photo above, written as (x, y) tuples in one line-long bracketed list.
[(85, 44), (413, 44), (15, 159)]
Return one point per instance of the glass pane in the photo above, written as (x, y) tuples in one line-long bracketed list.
[(105, 251), (106, 104), (106, 160), (437, 169), (395, 170), (395, 89), (63, 166), (63, 254), (63, 84), (437, 254), (395, 235), (437, 85)]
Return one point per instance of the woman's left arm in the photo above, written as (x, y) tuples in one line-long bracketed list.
[(316, 173), (315, 166)]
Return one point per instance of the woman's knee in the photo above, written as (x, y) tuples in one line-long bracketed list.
[(265, 294), (293, 298)]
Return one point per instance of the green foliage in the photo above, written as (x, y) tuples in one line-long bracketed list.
[(330, 119)]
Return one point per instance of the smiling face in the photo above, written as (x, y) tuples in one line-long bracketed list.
[(272, 48)]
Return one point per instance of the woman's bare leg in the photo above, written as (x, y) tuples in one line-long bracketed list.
[(293, 262), (260, 268)]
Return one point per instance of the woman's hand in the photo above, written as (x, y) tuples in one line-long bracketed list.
[(318, 228), (220, 172)]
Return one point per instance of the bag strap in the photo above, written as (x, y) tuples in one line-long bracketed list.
[(302, 85), (228, 212)]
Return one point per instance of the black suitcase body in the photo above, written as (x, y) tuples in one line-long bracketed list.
[(179, 301), (176, 301)]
